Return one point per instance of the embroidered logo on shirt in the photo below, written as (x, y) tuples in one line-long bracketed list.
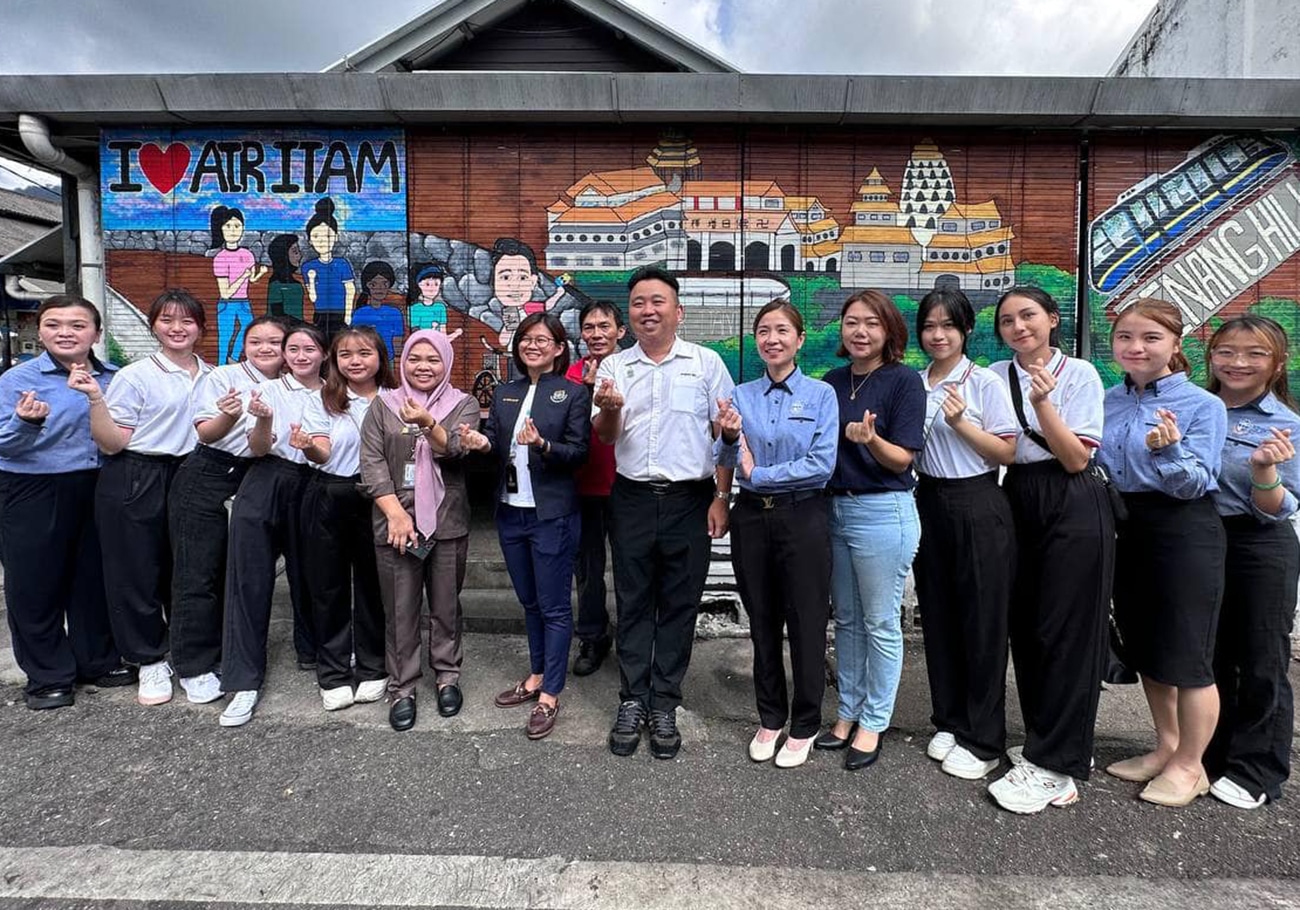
[(1243, 426), (559, 395), (796, 407)]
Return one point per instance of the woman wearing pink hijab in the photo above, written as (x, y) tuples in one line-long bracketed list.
[(410, 465)]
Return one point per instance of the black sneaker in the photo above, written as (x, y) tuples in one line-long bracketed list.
[(626, 735), (664, 738), (591, 654)]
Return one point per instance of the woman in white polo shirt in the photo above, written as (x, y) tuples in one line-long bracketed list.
[(966, 559), (1065, 543), (197, 506), (265, 523), (146, 430), (342, 575)]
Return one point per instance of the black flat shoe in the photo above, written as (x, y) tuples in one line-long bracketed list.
[(450, 700), (591, 654), (114, 679), (402, 714), (829, 742), (58, 697), (856, 759)]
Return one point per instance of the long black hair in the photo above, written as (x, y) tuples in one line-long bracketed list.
[(278, 253), (220, 215)]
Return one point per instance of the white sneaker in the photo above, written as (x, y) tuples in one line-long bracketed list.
[(240, 709), (201, 690), (940, 745), (155, 684), (1016, 755), (371, 690), (1227, 790), (793, 758), (1027, 789), (763, 751), (337, 698), (962, 762)]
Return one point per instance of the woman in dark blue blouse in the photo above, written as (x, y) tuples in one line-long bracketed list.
[(874, 524)]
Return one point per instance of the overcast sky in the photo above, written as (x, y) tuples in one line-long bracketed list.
[(936, 37)]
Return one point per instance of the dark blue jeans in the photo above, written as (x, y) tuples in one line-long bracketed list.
[(539, 557)]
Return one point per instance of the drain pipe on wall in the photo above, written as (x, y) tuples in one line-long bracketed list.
[(35, 134)]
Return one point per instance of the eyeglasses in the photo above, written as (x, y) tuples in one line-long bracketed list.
[(1230, 355), (536, 341)]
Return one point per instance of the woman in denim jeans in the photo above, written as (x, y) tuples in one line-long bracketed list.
[(874, 525)]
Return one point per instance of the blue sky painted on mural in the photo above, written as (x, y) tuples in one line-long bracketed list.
[(163, 181)]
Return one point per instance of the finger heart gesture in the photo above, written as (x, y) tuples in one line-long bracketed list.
[(1165, 432), (257, 406), (1273, 451), (528, 436), (863, 432), (298, 437), (954, 406), (1041, 382)]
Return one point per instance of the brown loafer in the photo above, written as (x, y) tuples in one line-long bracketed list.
[(1162, 792), (541, 720), (513, 698)]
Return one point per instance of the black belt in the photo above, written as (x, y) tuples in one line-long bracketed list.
[(665, 487), (327, 477), (777, 500), (845, 491)]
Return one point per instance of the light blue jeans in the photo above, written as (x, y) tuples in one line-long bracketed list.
[(873, 541), (232, 313)]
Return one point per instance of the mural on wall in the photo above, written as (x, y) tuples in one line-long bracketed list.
[(1213, 226), (307, 224), (551, 221)]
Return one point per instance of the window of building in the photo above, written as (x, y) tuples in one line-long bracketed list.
[(609, 260), (949, 226), (559, 260), (584, 260), (902, 257), (771, 203), (977, 225), (877, 256)]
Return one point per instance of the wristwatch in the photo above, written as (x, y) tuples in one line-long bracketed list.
[(725, 496)]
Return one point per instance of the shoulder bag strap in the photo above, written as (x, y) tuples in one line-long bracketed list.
[(1017, 400)]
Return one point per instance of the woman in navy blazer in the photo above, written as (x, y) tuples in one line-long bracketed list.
[(538, 429)]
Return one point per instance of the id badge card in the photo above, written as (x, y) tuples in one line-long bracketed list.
[(512, 479), (408, 476)]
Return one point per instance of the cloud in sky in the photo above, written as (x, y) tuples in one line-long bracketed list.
[(939, 37)]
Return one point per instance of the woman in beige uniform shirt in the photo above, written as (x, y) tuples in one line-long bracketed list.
[(410, 466)]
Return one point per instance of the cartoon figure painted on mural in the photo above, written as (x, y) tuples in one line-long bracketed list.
[(428, 310), (235, 269), (331, 283), (284, 292), (379, 305), (514, 279)]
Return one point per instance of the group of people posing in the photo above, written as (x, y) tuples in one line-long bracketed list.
[(1172, 500)]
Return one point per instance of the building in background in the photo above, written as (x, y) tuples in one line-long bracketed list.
[(1250, 39)]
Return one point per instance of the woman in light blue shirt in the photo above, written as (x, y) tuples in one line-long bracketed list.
[(1250, 754), (780, 531), (1161, 447), (49, 466)]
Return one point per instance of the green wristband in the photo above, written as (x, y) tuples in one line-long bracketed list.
[(1266, 486)]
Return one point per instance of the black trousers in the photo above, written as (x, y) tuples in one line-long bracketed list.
[(54, 575), (781, 553), (1065, 545), (199, 533), (265, 522), (964, 569), (589, 570), (1252, 743), (347, 610), (331, 323), (661, 548), (131, 510)]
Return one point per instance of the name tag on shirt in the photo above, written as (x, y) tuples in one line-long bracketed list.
[(408, 475)]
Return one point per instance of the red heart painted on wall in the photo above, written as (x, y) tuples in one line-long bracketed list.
[(164, 167)]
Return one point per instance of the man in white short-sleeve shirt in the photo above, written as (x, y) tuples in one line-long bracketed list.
[(657, 403)]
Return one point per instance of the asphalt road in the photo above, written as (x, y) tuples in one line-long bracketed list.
[(110, 804)]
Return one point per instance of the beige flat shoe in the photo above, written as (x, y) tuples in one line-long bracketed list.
[(1163, 793), (1132, 769)]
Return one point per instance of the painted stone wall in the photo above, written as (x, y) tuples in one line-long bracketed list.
[(469, 229)]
